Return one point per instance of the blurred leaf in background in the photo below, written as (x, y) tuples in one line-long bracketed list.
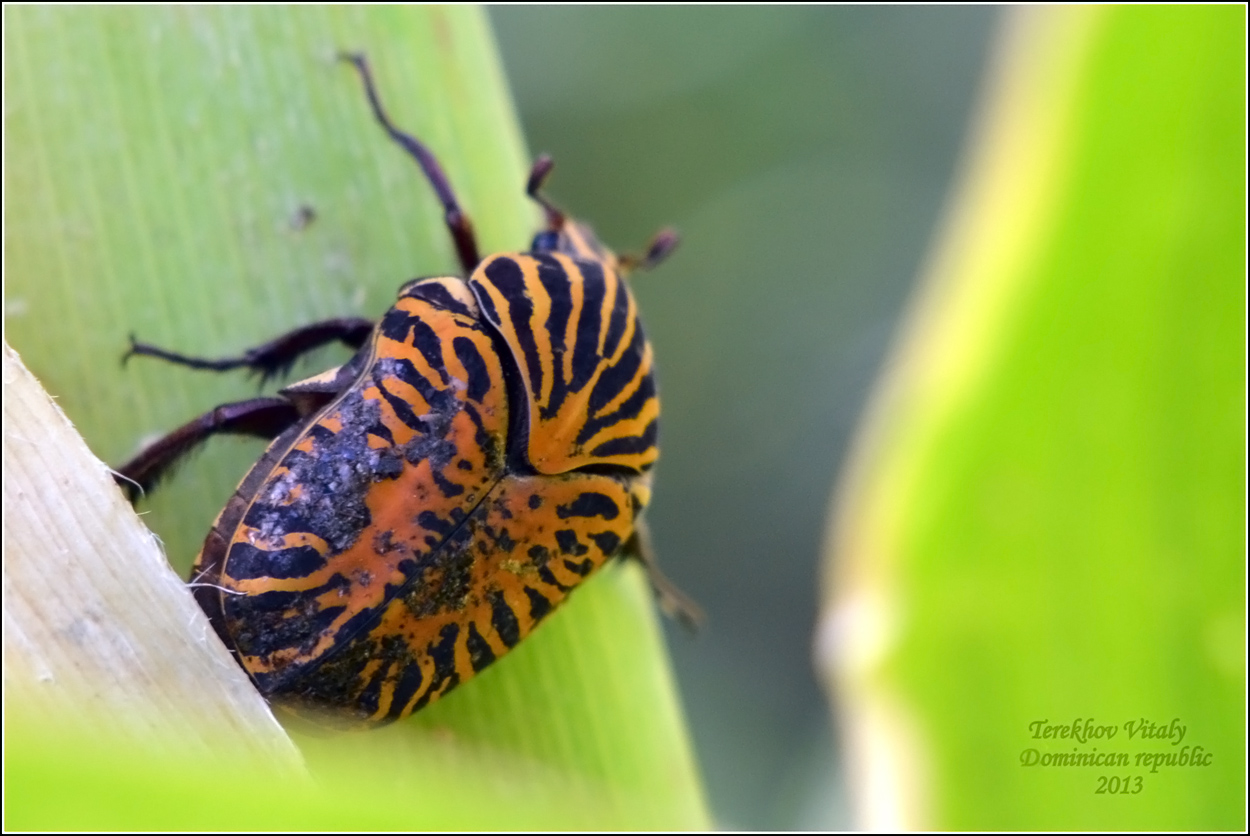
[(1045, 521), (804, 154), (207, 178)]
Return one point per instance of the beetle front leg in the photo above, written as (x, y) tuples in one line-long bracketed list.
[(265, 418), (274, 357)]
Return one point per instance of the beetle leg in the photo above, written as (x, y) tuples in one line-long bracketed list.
[(457, 221), (274, 357), (264, 417), (675, 603)]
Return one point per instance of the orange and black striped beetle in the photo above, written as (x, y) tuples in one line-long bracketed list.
[(423, 507)]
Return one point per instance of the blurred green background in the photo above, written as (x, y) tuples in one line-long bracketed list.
[(804, 154)]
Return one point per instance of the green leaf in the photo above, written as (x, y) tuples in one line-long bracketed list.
[(207, 178), (1046, 516)]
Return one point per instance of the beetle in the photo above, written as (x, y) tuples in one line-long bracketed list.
[(422, 508)]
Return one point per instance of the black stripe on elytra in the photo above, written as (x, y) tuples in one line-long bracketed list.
[(550, 579), (367, 700), (396, 325), (248, 562), (433, 522), (503, 619), (431, 442), (586, 355), (443, 654), (557, 285), (261, 628), (437, 294), (406, 688), (446, 487), (617, 319), (607, 541), (389, 465), (629, 409), (337, 519), (293, 460), (479, 381), (284, 518), (539, 554), (362, 620), (487, 305), (381, 431), (321, 433), (502, 539), (402, 327), (618, 376), (516, 442), (403, 410), (277, 601), (589, 504), (629, 445), (484, 440), (505, 274), (539, 605), (566, 539), (559, 289), (480, 654), (582, 567), (439, 399), (426, 340)]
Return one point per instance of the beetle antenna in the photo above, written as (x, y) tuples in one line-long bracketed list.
[(661, 246), (538, 175)]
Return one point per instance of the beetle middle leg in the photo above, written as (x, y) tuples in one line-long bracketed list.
[(265, 418), (274, 357)]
